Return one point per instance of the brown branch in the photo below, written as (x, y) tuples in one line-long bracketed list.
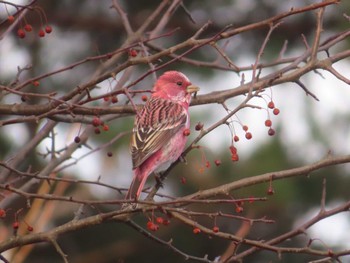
[(124, 17), (278, 175), (231, 249), (165, 243)]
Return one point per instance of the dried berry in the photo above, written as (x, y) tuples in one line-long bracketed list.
[(96, 121), (199, 126), (271, 132), (114, 99), (77, 139)]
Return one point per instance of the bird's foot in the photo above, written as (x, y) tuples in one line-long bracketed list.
[(158, 179)]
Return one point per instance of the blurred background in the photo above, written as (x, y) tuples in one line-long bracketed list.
[(306, 129)]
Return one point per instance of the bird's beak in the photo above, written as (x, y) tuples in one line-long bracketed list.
[(192, 89)]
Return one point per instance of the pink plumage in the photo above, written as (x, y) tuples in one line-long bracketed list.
[(158, 140)]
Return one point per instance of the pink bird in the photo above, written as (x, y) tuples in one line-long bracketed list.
[(158, 137)]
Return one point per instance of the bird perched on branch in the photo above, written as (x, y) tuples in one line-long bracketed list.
[(160, 129)]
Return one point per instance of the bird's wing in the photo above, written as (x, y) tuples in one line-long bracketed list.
[(157, 122)]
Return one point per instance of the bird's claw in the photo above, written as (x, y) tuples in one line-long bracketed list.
[(158, 179)]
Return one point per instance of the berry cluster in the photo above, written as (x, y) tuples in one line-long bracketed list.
[(113, 99), (16, 223), (21, 32), (26, 27), (234, 154), (268, 122), (97, 123), (154, 226)]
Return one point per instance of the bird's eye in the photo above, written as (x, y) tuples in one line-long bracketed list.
[(179, 83)]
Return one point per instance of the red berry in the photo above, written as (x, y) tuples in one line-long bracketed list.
[(96, 121), (109, 154), (2, 213), (234, 157), (106, 98), (271, 105), (270, 191), (276, 111), (28, 28), (207, 164), (199, 126), (183, 180), (114, 99), (245, 128), (196, 230), (186, 132), (132, 53), (30, 228), (15, 225), (105, 127), (144, 98), (41, 33), (233, 149), (48, 29), (248, 135), (36, 83), (21, 33), (268, 123), (215, 229), (152, 226), (217, 162), (77, 139), (271, 132), (239, 209), (159, 220), (149, 224), (10, 19), (236, 138)]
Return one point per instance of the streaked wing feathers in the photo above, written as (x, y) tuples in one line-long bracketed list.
[(157, 122)]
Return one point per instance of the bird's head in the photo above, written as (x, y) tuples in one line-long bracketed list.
[(175, 86)]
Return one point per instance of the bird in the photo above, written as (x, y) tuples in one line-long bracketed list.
[(158, 138)]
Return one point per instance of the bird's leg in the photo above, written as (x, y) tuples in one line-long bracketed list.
[(159, 179)]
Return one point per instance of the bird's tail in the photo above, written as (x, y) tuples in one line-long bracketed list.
[(137, 184)]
